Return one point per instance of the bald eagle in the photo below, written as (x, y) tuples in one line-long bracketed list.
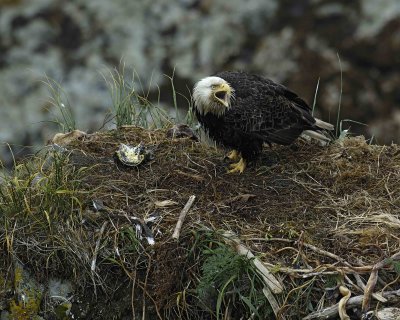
[(241, 111)]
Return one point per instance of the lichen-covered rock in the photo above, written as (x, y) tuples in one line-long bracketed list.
[(6, 289), (28, 296), (388, 314), (59, 298)]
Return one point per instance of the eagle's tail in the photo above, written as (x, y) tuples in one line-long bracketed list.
[(323, 125), (316, 135), (319, 135)]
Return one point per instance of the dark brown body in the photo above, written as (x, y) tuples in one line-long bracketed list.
[(261, 112)]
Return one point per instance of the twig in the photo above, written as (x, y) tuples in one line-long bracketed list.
[(348, 269), (145, 289), (361, 287), (272, 285), (327, 253), (333, 311), (152, 300), (369, 288), (373, 278), (96, 250), (196, 177), (267, 276), (324, 269), (272, 302), (182, 216), (342, 303), (133, 288)]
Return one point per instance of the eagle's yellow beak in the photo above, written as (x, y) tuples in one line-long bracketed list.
[(222, 94)]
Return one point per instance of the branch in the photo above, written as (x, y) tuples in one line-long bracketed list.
[(373, 278), (272, 285), (182, 216), (270, 280), (333, 311)]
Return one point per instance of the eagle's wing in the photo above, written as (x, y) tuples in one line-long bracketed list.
[(268, 110), (278, 122)]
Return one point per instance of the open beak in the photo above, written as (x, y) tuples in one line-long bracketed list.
[(222, 94)]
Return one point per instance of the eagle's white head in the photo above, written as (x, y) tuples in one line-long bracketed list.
[(212, 94)]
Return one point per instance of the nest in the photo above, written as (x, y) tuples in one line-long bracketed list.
[(323, 221)]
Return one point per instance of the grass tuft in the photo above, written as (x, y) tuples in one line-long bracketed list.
[(65, 118), (132, 107), (340, 98), (46, 191), (229, 282), (43, 196), (315, 97)]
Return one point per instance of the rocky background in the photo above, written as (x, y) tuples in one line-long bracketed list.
[(294, 42)]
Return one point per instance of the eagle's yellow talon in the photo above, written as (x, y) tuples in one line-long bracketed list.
[(233, 155), (238, 167), (233, 165)]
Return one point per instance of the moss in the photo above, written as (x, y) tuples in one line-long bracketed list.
[(27, 309), (6, 288), (62, 311), (5, 283), (18, 274), (26, 304)]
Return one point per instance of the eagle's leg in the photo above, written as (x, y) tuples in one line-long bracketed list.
[(233, 155), (238, 167)]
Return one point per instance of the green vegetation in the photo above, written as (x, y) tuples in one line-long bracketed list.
[(43, 191), (28, 306), (229, 282), (131, 105), (64, 117)]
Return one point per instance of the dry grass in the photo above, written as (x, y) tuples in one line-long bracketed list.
[(318, 217)]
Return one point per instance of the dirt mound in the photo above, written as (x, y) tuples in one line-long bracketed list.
[(321, 219)]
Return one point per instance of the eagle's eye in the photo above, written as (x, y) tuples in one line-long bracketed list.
[(214, 86)]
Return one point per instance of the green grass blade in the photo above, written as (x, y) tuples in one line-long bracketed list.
[(221, 295), (340, 96)]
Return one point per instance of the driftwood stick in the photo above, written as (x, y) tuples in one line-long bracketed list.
[(272, 285), (272, 302), (369, 289), (373, 278), (182, 216), (270, 280), (333, 311)]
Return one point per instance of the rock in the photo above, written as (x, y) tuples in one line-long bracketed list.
[(59, 294), (181, 131), (28, 295), (64, 139), (388, 314)]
